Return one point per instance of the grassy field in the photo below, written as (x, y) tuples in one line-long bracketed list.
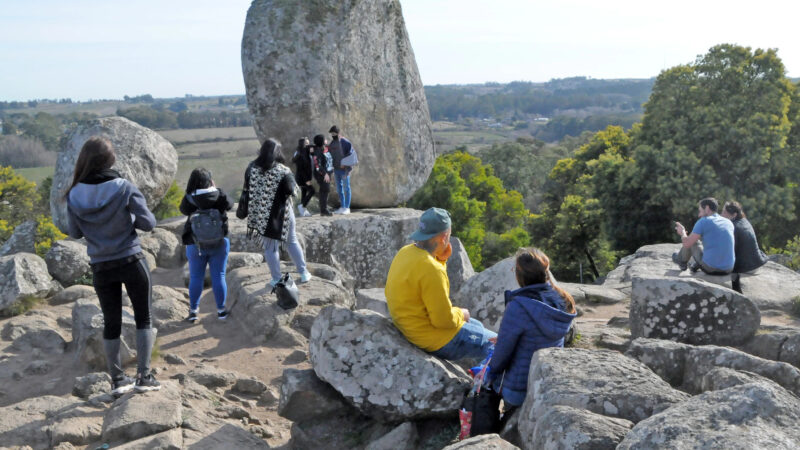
[(36, 174), (181, 137), (447, 140)]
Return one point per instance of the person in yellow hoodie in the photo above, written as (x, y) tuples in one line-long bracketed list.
[(418, 295)]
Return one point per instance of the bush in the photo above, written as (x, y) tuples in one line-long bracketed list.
[(46, 234), (20, 151), (168, 206)]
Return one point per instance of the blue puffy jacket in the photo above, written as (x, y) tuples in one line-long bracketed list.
[(535, 318)]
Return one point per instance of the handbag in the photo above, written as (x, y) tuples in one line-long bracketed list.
[(287, 292), (351, 159)]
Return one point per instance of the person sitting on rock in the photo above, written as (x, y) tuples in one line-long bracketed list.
[(749, 256), (323, 169), (270, 214), (202, 194), (418, 295), (305, 173), (538, 315), (107, 210), (715, 255)]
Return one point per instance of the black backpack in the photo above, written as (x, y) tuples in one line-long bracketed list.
[(207, 232)]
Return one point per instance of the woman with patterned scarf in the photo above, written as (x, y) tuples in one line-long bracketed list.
[(269, 212)]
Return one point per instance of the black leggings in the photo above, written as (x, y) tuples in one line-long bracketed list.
[(324, 189), (108, 286), (308, 192)]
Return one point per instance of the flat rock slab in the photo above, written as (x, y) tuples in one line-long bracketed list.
[(367, 360), (691, 311), (563, 427), (373, 300), (753, 415), (135, 416), (483, 442)]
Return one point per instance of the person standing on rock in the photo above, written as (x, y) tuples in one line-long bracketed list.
[(538, 315), (339, 148), (323, 170), (107, 210), (269, 209), (715, 255), (749, 256), (418, 295), (305, 173), (201, 194)]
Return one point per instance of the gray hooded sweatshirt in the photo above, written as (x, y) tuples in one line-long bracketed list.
[(107, 214)]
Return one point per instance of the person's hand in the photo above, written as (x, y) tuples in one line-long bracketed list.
[(466, 314), (327, 178), (680, 229), (308, 183)]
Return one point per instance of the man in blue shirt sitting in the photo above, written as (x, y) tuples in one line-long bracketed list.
[(715, 255)]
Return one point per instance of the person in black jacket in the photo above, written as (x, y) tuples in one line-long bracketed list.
[(269, 209), (323, 171), (749, 256), (202, 194), (305, 173)]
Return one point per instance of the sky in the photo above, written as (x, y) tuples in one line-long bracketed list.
[(96, 49)]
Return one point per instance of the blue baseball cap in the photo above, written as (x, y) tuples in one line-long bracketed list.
[(432, 222)]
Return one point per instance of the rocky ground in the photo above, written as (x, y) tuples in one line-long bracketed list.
[(334, 372)]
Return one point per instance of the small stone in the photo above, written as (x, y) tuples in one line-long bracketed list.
[(174, 359)]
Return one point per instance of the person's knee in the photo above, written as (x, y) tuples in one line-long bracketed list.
[(112, 331)]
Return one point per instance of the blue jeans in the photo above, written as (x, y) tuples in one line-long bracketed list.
[(342, 186), (471, 341), (272, 250), (216, 259)]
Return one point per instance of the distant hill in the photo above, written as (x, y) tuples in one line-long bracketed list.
[(549, 110)]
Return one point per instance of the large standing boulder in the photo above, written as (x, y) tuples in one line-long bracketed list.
[(600, 381), (362, 77), (459, 267), (22, 240), (364, 357), (67, 261), (753, 415), (24, 275), (143, 157), (36, 329), (691, 311)]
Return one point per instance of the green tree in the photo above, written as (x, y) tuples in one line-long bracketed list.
[(45, 128)]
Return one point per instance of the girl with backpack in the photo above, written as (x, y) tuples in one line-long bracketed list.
[(205, 237), (538, 315), (269, 212), (107, 209)]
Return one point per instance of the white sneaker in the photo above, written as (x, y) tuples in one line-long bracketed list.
[(339, 211), (345, 211), (301, 210), (307, 213)]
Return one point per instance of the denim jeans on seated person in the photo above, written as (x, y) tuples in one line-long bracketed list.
[(216, 259), (471, 341)]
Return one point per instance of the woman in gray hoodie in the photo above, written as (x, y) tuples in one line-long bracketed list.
[(106, 209)]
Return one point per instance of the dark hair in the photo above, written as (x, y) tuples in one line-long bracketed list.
[(735, 209), (269, 154), (96, 154), (199, 179), (711, 202), (334, 129), (319, 140), (301, 144), (533, 267)]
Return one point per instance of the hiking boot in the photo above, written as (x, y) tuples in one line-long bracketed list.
[(192, 317), (694, 267), (146, 383), (222, 315), (121, 385), (682, 264), (305, 277)]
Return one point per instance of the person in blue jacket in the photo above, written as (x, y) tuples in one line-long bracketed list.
[(538, 315)]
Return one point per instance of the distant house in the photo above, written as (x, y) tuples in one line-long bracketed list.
[(496, 125), (541, 119)]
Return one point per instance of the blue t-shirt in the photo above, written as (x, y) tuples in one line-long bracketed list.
[(717, 234)]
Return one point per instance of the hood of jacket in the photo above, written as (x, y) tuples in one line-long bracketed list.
[(545, 307), (98, 203), (205, 198)]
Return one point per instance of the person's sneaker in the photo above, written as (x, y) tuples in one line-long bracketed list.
[(222, 315), (122, 385), (682, 264), (273, 283), (146, 383), (307, 213), (301, 210), (339, 211), (694, 267), (345, 211), (192, 317), (305, 277)]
